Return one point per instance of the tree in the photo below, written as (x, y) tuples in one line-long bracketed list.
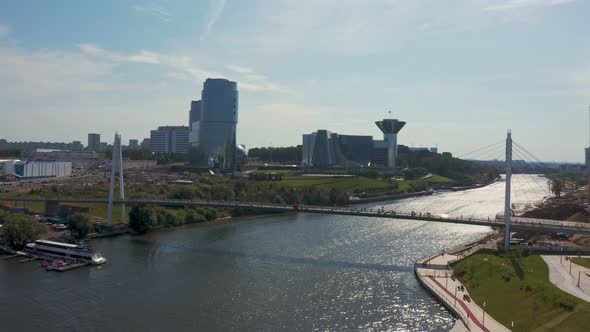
[(556, 187), (278, 154), (278, 200), (79, 224), (19, 229), (140, 219)]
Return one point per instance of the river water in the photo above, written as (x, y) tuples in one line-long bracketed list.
[(289, 272)]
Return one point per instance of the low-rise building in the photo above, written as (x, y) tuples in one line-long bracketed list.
[(33, 169)]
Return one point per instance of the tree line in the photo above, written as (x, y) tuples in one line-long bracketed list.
[(290, 154)]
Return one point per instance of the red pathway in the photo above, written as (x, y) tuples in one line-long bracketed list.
[(470, 314)]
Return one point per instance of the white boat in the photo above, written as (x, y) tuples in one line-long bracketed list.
[(66, 251)]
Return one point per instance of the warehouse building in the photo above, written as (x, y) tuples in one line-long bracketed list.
[(34, 169)]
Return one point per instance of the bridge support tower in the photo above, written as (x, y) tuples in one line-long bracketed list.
[(117, 166), (507, 213)]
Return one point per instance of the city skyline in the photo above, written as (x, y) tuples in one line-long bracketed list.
[(460, 75)]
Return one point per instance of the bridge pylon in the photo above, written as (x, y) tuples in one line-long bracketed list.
[(507, 194), (116, 165)]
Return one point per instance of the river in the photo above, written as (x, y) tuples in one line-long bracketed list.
[(289, 272)]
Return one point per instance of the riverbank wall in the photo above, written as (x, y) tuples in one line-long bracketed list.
[(391, 197), (415, 194)]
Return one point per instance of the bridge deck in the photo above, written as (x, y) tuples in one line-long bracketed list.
[(543, 225)]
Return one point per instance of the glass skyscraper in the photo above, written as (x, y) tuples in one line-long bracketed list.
[(216, 143)]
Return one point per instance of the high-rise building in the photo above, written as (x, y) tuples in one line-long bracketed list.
[(145, 144), (77, 146), (93, 142), (169, 139), (588, 166), (215, 143), (194, 113), (194, 120), (133, 144)]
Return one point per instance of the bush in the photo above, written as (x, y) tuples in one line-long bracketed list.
[(20, 229), (193, 217), (141, 219), (79, 224)]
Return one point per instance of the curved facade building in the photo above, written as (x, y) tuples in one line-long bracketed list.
[(324, 149), (216, 144)]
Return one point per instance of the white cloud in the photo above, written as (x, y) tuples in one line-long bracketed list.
[(256, 77), (46, 73), (352, 27), (581, 76), (143, 56), (215, 10), (184, 68), (4, 30), (240, 69), (180, 76), (519, 4), (304, 117), (159, 12)]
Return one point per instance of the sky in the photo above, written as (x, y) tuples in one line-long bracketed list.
[(459, 72)]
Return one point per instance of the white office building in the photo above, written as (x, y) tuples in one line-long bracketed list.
[(169, 139)]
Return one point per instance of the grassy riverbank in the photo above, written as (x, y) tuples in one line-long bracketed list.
[(516, 288), (365, 186)]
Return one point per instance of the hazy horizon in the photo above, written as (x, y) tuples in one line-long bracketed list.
[(460, 75)]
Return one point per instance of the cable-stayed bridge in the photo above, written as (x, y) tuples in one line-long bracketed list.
[(507, 222), (519, 223)]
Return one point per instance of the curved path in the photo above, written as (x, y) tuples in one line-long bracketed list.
[(436, 279), (559, 275)]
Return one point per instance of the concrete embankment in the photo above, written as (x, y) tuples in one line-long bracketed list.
[(390, 197), (435, 275), (415, 194)]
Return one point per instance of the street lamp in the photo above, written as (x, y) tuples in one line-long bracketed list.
[(483, 319)]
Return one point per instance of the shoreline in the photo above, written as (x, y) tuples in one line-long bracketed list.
[(417, 193), (218, 221), (435, 270)]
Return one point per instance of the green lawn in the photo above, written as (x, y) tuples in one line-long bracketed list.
[(360, 184), (518, 289), (585, 262), (273, 171), (352, 184), (436, 179)]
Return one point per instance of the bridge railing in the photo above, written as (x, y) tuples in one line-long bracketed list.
[(531, 223)]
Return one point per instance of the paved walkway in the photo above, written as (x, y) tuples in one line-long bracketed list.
[(559, 275), (440, 283)]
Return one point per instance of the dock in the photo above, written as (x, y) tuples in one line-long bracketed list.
[(29, 259), (69, 267)]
